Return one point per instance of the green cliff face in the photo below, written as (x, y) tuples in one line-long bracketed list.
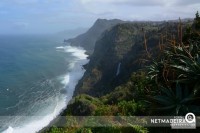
[(115, 56), (119, 52), (108, 53)]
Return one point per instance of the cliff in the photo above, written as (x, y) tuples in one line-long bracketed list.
[(119, 52), (87, 40)]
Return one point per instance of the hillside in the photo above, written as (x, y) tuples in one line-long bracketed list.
[(87, 40), (120, 52), (128, 77)]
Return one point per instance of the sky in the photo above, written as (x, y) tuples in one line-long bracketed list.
[(52, 16)]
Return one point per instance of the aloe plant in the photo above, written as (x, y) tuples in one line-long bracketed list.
[(185, 61), (179, 63), (175, 102), (158, 70)]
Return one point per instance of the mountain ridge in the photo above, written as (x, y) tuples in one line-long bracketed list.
[(118, 53), (87, 40)]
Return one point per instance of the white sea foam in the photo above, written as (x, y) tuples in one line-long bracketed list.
[(65, 80), (69, 80), (76, 51), (60, 47), (38, 122), (9, 130)]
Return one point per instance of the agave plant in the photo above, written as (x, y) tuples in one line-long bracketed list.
[(156, 70), (185, 61), (178, 63), (175, 102)]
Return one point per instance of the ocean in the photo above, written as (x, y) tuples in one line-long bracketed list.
[(38, 75)]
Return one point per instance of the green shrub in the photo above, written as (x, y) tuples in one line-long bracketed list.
[(56, 130), (106, 110), (84, 130), (130, 108)]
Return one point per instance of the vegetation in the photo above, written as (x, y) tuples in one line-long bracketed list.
[(177, 73), (168, 85), (177, 103)]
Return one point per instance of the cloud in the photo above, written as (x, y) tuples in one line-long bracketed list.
[(143, 9), (20, 25), (126, 2), (55, 15), (186, 2), (143, 2)]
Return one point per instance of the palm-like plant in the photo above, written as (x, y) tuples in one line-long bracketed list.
[(155, 69), (185, 60), (159, 71), (175, 102), (179, 63)]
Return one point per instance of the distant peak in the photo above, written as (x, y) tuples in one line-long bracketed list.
[(99, 20), (102, 21)]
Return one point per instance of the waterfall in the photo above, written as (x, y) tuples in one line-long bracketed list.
[(118, 69)]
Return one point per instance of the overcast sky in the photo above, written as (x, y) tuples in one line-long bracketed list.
[(49, 16)]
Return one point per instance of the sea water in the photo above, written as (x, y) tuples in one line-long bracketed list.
[(38, 75)]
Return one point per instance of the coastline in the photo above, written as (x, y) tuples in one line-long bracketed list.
[(78, 65), (78, 69), (39, 123)]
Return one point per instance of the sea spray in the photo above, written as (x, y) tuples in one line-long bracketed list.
[(69, 80)]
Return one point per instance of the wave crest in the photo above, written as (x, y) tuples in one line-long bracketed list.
[(69, 81)]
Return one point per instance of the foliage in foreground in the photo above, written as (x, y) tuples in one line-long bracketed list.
[(177, 74)]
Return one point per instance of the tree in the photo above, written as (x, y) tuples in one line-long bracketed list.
[(197, 21), (197, 15)]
